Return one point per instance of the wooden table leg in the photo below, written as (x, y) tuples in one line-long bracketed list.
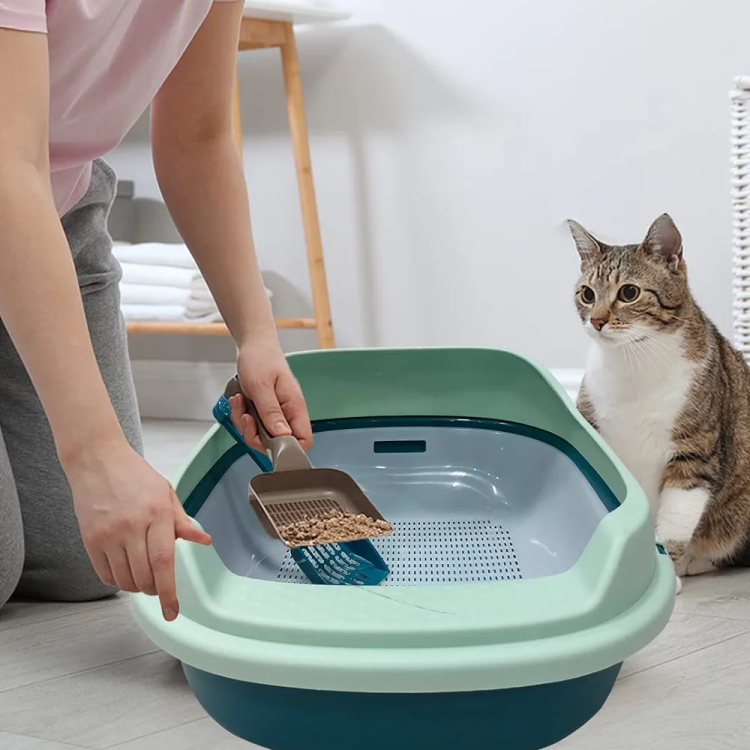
[(311, 225)]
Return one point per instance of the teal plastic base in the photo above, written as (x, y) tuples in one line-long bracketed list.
[(528, 718)]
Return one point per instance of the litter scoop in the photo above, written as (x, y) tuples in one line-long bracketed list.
[(322, 515)]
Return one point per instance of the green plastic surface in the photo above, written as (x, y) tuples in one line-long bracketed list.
[(479, 636)]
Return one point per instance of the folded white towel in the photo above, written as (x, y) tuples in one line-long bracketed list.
[(165, 313), (201, 301), (150, 294), (201, 296), (150, 291), (199, 312), (198, 284), (156, 254), (199, 288), (160, 313), (181, 278), (197, 307)]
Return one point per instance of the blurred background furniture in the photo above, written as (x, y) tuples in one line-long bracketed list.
[(267, 25)]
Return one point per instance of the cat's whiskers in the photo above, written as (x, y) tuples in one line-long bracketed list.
[(627, 356), (654, 352), (645, 361), (627, 345), (660, 350), (631, 363)]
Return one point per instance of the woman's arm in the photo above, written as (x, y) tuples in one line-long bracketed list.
[(127, 512), (40, 303), (201, 177)]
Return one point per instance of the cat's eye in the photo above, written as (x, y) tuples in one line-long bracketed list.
[(588, 295), (628, 293)]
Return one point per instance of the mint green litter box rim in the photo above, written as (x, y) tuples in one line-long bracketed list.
[(613, 602)]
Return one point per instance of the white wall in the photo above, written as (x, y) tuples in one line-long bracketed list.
[(450, 145)]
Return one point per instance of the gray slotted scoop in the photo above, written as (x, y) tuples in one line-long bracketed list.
[(295, 492)]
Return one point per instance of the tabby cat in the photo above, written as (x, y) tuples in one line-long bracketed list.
[(669, 394)]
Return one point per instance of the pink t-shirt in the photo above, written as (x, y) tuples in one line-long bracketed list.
[(107, 59)]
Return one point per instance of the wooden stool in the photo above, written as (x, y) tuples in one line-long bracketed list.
[(264, 25), (268, 24)]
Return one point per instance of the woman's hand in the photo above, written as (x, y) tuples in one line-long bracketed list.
[(130, 517), (267, 380)]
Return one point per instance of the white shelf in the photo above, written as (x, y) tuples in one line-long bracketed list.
[(297, 13)]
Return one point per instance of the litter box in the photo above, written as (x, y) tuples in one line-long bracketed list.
[(523, 568)]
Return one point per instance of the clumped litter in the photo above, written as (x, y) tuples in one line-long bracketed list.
[(332, 527)]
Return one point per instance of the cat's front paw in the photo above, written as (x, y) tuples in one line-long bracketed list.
[(677, 585), (676, 551), (685, 560)]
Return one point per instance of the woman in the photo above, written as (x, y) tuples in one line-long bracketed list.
[(81, 512)]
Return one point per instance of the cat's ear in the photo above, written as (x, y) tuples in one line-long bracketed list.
[(664, 241), (589, 248)]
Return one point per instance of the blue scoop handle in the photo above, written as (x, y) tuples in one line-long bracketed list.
[(223, 415)]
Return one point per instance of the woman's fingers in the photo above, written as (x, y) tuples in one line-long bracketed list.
[(160, 542), (249, 431), (126, 513), (185, 528), (269, 409), (146, 562), (244, 422), (101, 568), (120, 567), (140, 565), (293, 403), (280, 405)]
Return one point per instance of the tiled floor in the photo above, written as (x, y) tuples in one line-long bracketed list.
[(83, 676)]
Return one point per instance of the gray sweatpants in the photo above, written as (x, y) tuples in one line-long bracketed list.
[(41, 552)]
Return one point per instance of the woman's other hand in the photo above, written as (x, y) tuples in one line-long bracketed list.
[(129, 517)]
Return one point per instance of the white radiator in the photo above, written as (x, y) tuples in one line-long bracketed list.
[(740, 102)]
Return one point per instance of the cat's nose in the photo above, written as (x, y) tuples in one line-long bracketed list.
[(598, 323)]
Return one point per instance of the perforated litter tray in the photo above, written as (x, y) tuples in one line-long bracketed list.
[(523, 567), (471, 500)]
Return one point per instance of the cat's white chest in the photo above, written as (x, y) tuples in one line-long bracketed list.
[(637, 401)]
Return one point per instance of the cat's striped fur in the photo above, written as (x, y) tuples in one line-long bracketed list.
[(669, 394)]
